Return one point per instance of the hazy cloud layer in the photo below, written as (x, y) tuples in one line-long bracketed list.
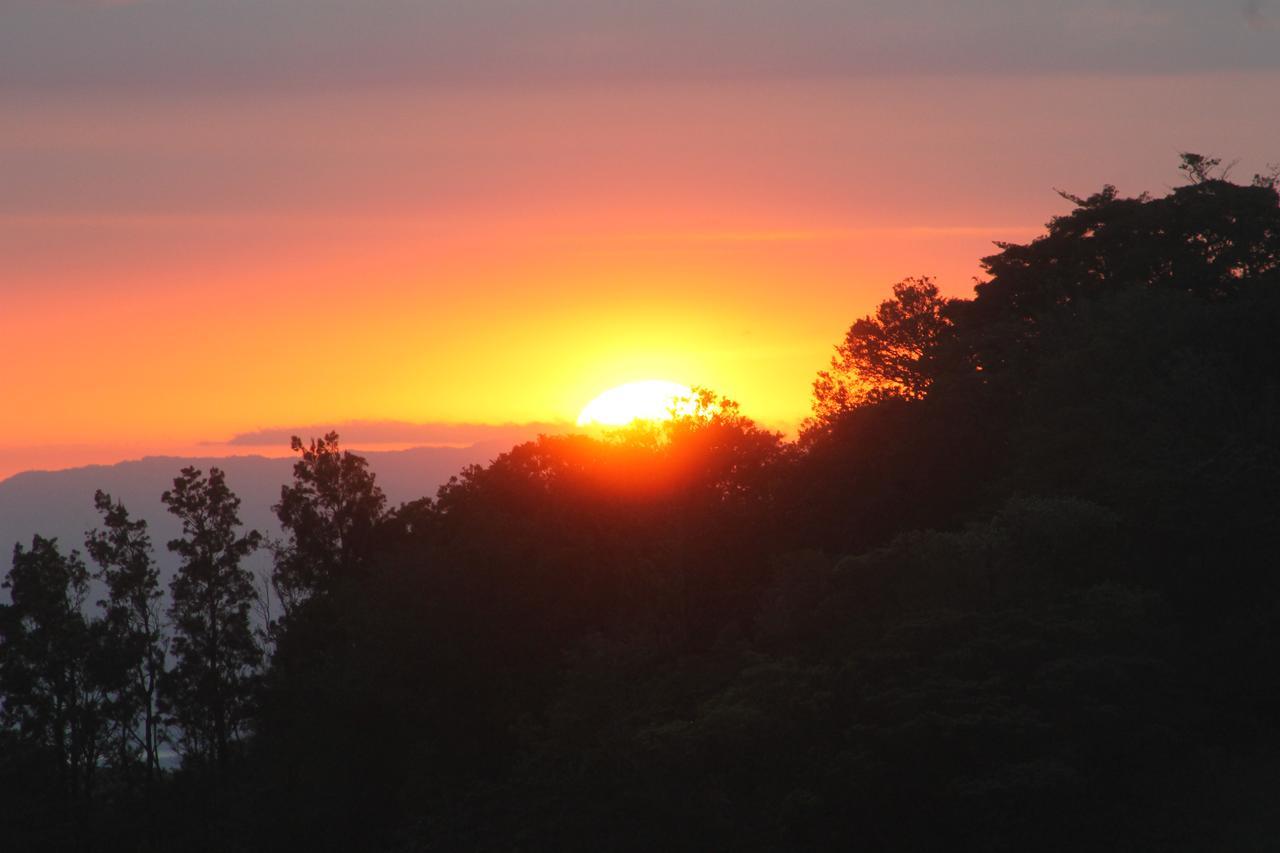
[(403, 432), (1255, 13), (233, 44)]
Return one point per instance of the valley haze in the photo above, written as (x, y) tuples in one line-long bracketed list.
[(60, 503)]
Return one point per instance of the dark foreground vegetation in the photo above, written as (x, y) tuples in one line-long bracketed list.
[(1015, 587)]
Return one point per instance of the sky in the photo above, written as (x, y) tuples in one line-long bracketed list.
[(224, 221)]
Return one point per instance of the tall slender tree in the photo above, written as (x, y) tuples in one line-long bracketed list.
[(49, 664), (329, 515), (134, 627), (209, 690)]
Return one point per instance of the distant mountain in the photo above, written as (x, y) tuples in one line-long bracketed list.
[(60, 503)]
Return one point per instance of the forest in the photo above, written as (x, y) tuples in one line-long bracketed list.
[(1012, 587)]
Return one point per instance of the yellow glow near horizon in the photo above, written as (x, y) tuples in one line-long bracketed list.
[(650, 400), (283, 259)]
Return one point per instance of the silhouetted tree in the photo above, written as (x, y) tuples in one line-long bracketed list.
[(134, 626), (888, 354), (1198, 168), (1210, 238), (1017, 577), (329, 515), (209, 691), (50, 666)]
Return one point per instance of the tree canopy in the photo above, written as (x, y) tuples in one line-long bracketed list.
[(1012, 588), (209, 691)]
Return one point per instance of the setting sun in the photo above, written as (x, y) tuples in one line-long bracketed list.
[(688, 425), (651, 400)]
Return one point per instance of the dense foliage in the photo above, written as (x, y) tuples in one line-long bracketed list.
[(1012, 588)]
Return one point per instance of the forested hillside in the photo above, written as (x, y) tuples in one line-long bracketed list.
[(1013, 587)]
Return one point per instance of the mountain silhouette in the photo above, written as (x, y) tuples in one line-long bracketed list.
[(60, 503)]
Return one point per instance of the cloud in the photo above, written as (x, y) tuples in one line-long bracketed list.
[(95, 4), (1255, 15), (238, 44), (437, 433)]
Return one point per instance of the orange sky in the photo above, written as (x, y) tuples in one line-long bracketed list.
[(182, 268)]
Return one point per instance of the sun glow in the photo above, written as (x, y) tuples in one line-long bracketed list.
[(651, 400)]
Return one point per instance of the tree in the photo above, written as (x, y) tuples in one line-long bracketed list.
[(329, 515), (50, 663), (134, 627), (888, 354), (1209, 238), (209, 691)]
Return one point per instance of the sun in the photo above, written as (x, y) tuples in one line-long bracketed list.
[(651, 400)]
